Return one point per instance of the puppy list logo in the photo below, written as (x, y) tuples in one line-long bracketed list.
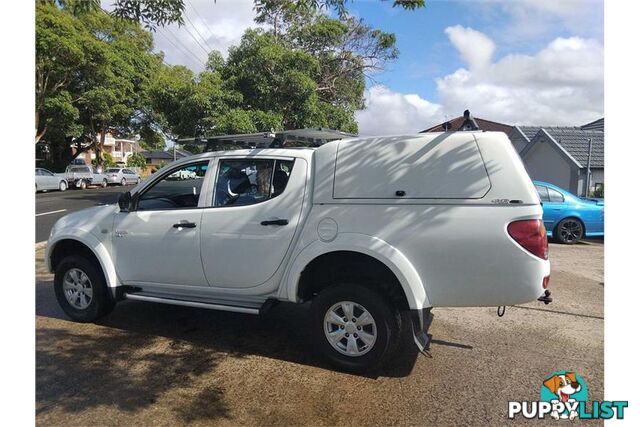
[(564, 395)]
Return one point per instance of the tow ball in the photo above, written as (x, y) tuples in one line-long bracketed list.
[(546, 298)]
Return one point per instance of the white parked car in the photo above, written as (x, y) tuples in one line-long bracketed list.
[(122, 176), (47, 180), (183, 174), (373, 231)]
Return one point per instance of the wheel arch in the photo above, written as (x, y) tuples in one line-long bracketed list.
[(350, 246), (82, 243)]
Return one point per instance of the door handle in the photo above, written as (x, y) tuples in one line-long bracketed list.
[(185, 224), (275, 222)]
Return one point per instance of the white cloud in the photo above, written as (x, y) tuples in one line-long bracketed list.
[(389, 112), (221, 23), (531, 19), (562, 84), (474, 47)]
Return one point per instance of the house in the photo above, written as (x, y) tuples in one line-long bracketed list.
[(468, 122), (118, 148), (569, 157), (161, 158), (562, 155)]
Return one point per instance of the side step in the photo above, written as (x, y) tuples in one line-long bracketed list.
[(200, 304)]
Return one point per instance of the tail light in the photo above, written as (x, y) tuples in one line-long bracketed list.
[(531, 235)]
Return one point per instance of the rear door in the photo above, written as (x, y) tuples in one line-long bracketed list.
[(255, 208)]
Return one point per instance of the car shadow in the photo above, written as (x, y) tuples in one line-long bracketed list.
[(282, 333)]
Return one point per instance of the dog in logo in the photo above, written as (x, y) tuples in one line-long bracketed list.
[(563, 386)]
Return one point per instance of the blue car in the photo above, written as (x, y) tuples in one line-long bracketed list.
[(569, 218)]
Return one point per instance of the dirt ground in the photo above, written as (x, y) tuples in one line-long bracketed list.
[(153, 364)]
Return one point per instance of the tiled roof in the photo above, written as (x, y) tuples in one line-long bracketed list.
[(488, 125), (529, 131), (576, 142), (595, 125)]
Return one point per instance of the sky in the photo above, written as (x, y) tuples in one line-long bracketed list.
[(528, 62)]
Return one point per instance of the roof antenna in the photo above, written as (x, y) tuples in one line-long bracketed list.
[(469, 122)]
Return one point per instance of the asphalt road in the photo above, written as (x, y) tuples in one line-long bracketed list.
[(154, 364), (53, 205)]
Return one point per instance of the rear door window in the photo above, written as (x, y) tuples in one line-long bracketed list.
[(543, 193), (242, 182), (555, 196)]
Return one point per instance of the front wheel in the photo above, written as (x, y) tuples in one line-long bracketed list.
[(62, 186), (83, 184), (569, 231), (81, 290), (123, 182), (104, 183), (354, 327)]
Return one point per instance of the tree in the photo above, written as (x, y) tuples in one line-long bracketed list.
[(136, 160), (59, 51), (91, 74)]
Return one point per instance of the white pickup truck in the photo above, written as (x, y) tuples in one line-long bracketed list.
[(373, 231), (80, 176)]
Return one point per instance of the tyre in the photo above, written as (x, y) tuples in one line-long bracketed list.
[(123, 182), (104, 183), (354, 327), (569, 231), (83, 184), (81, 290), (62, 186)]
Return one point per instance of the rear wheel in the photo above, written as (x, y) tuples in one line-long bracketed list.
[(104, 183), (81, 290), (569, 231), (62, 186), (354, 327), (123, 182)]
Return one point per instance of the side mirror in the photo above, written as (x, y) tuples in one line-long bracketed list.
[(125, 201)]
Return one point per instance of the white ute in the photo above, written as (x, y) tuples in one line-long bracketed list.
[(373, 231)]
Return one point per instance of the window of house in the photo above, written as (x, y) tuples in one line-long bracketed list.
[(244, 182), (543, 193), (180, 189)]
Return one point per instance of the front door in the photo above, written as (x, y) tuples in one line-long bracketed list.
[(256, 207), (158, 242)]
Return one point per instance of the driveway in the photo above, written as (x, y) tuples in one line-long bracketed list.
[(163, 365)]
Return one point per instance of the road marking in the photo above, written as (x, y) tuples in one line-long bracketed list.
[(52, 212)]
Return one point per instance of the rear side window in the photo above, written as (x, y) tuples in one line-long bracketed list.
[(448, 166), (543, 193), (242, 182)]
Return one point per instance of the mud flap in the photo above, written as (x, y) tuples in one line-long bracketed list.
[(420, 321)]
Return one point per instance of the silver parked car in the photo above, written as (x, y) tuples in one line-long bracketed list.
[(47, 180), (122, 176)]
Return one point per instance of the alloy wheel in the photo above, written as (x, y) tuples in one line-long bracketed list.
[(77, 288), (350, 328), (570, 231)]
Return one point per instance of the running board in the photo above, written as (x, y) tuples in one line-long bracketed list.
[(211, 306)]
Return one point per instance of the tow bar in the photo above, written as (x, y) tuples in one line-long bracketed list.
[(546, 298)]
